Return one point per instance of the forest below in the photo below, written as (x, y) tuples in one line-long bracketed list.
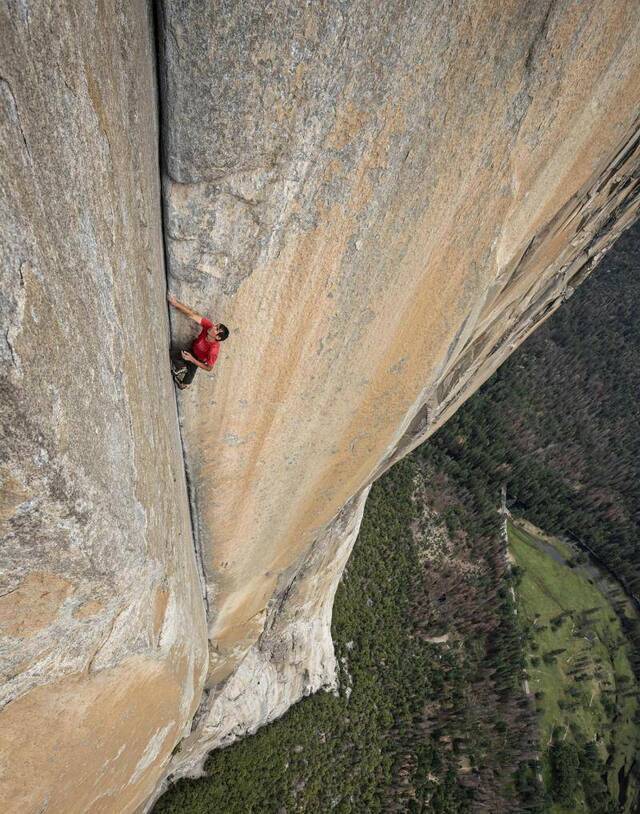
[(430, 713), (559, 423)]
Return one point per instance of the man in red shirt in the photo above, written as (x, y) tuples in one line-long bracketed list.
[(204, 348)]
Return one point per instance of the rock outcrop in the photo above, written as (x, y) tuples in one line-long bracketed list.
[(102, 629), (381, 200)]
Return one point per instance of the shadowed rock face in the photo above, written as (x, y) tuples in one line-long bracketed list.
[(381, 200), (102, 636)]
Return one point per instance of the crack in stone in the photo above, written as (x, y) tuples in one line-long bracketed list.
[(541, 33), (103, 641), (6, 82), (158, 28)]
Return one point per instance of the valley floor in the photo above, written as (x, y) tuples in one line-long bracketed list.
[(579, 672)]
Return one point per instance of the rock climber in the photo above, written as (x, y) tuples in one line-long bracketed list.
[(204, 348)]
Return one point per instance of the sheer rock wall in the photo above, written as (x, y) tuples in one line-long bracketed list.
[(381, 200), (102, 629)]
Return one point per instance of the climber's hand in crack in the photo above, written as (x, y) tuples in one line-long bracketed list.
[(184, 309), (204, 348)]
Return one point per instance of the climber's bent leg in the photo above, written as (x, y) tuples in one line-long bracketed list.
[(182, 371), (190, 372)]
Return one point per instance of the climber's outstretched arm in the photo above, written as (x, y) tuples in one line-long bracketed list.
[(189, 312)]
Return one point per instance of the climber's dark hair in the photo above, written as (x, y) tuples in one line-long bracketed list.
[(223, 332)]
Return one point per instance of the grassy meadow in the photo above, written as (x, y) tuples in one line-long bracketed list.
[(579, 671)]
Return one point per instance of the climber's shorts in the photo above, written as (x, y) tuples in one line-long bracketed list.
[(182, 370)]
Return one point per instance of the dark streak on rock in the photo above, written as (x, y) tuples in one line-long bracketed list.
[(6, 82), (538, 38)]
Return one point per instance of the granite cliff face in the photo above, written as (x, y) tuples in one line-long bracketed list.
[(102, 628), (381, 200)]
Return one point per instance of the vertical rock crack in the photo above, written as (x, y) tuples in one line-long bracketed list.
[(191, 493)]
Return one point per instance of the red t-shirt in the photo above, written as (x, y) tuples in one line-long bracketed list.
[(202, 348)]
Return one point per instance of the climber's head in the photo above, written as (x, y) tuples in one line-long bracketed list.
[(217, 332)]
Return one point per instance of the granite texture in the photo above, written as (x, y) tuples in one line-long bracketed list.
[(102, 628), (381, 200)]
